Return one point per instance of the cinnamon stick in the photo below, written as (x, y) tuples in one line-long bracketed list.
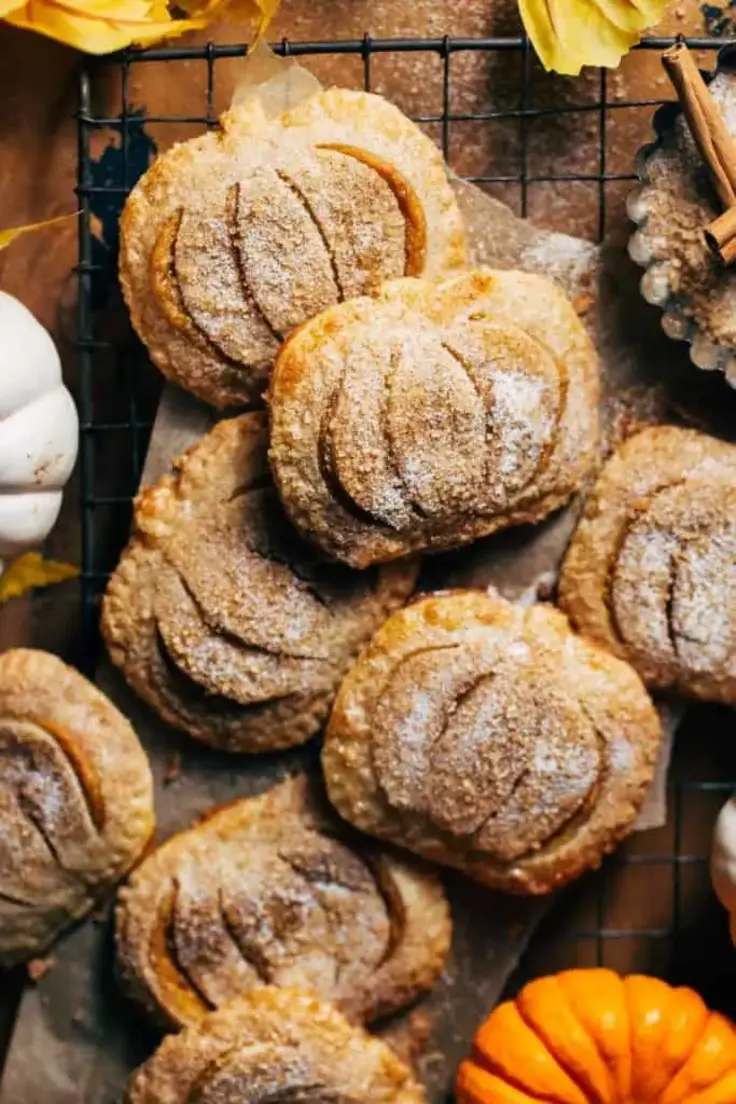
[(714, 141)]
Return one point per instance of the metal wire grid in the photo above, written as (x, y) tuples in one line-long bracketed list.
[(118, 391)]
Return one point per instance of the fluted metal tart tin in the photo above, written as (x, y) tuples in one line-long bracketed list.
[(671, 207)]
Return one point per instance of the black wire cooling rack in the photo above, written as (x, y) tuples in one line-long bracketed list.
[(651, 908)]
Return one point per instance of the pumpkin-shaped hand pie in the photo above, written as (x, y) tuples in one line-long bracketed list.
[(433, 414), (234, 238), (651, 570), (592, 1037), (489, 737), (275, 889), (221, 618), (76, 800), (275, 1046)]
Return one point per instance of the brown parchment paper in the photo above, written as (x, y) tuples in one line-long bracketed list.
[(76, 1041)]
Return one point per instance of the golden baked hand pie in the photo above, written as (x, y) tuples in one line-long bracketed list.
[(275, 1046), (220, 617), (276, 890), (234, 238), (489, 737), (76, 800), (651, 570), (433, 414)]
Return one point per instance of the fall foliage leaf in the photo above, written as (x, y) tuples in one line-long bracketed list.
[(101, 26), (568, 34), (257, 13), (31, 570), (8, 236)]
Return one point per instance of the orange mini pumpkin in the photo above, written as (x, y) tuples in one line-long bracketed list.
[(592, 1037)]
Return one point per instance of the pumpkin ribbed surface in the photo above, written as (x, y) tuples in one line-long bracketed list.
[(432, 414), (592, 1037), (236, 237), (651, 570)]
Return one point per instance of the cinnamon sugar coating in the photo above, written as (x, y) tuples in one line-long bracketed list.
[(433, 414), (76, 800), (220, 617), (489, 737), (277, 1045), (234, 238), (276, 890), (651, 570)]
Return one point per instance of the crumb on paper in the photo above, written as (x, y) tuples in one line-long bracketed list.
[(38, 968), (408, 1038), (173, 769), (419, 1028), (632, 409)]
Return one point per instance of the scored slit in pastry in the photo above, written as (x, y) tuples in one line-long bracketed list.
[(433, 414), (220, 617), (233, 239), (651, 570), (76, 800), (489, 737), (276, 890), (275, 1046)]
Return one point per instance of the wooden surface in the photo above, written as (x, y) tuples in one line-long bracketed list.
[(37, 178)]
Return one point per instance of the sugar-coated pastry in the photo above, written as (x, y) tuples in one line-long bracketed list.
[(234, 238), (433, 414), (76, 800), (276, 889), (220, 617), (489, 737), (275, 1046), (651, 570)]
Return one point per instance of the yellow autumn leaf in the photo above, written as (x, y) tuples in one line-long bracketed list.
[(98, 28), (31, 570), (102, 26), (568, 34), (256, 13), (8, 236)]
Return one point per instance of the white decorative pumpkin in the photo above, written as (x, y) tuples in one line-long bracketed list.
[(38, 430), (723, 860)]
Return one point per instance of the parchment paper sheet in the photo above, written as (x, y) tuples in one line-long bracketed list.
[(76, 1041)]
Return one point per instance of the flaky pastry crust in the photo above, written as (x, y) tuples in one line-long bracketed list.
[(651, 570), (489, 737), (276, 890), (433, 414), (76, 799), (275, 1045), (234, 238), (220, 617)]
